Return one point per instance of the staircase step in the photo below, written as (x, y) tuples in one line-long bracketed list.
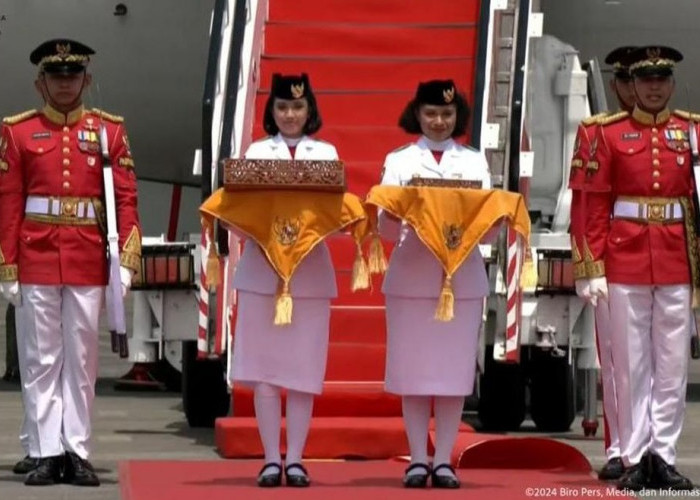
[(339, 399), (358, 325), (374, 11), (329, 438), (368, 40), (368, 74)]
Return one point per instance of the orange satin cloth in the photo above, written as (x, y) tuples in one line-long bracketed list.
[(287, 224), (450, 222)]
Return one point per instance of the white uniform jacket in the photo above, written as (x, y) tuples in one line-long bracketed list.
[(413, 270), (315, 276)]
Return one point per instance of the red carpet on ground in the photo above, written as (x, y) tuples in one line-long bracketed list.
[(366, 480)]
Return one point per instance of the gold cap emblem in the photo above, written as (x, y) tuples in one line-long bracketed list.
[(63, 50), (297, 91), (448, 95), (653, 53)]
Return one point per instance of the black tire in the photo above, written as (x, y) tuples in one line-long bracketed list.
[(204, 393), (552, 395), (501, 395)]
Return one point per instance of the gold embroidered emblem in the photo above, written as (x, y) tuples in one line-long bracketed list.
[(448, 95), (63, 50), (133, 242), (297, 91), (453, 235), (286, 230), (126, 144)]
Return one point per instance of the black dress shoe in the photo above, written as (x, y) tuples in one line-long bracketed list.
[(635, 478), (448, 482), (613, 469), (666, 476), (47, 472), (27, 464), (296, 480), (270, 480), (78, 471), (416, 480)]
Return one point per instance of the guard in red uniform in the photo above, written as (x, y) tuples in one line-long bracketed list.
[(621, 85), (52, 255), (640, 233)]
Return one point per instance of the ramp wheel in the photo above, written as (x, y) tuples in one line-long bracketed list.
[(551, 391), (204, 393), (501, 395), (590, 427)]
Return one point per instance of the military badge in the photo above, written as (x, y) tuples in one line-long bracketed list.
[(297, 90), (90, 124), (91, 161), (680, 160), (453, 235), (286, 230), (448, 95)]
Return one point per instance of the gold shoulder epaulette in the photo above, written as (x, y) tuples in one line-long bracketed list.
[(107, 116), (592, 120), (11, 120), (687, 115), (402, 147), (615, 117)]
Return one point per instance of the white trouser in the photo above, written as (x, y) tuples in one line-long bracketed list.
[(650, 328), (607, 375), (57, 329)]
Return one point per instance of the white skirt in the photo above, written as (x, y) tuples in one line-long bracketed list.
[(429, 357), (291, 356)]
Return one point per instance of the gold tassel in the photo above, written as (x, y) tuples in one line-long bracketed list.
[(213, 269), (696, 298), (446, 303), (528, 274), (377, 259), (360, 272), (283, 306)]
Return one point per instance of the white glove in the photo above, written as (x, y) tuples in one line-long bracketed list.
[(10, 290), (583, 288), (598, 290), (126, 275)]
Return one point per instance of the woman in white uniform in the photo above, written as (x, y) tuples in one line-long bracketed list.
[(270, 357), (430, 361)]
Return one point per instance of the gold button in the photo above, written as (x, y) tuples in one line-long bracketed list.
[(66, 129), (656, 162), (654, 130), (66, 185), (66, 173), (66, 150), (66, 138), (656, 186), (66, 161), (630, 150), (655, 151), (656, 173), (654, 140), (41, 150)]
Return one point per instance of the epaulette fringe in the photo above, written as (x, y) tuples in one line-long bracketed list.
[(615, 117), (592, 120), (107, 116), (20, 117)]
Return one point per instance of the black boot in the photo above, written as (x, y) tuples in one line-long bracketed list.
[(47, 472), (79, 471), (27, 464), (613, 469), (665, 476), (635, 478)]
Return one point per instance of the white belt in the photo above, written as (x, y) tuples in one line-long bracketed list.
[(649, 211), (70, 207)]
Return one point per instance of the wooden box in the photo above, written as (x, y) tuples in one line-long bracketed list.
[(445, 183), (304, 175)]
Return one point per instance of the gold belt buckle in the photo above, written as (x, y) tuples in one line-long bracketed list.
[(656, 212), (69, 208)]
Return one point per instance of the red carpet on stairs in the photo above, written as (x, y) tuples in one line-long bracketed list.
[(366, 480)]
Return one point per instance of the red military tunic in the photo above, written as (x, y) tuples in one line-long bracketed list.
[(577, 184), (48, 154), (649, 163)]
